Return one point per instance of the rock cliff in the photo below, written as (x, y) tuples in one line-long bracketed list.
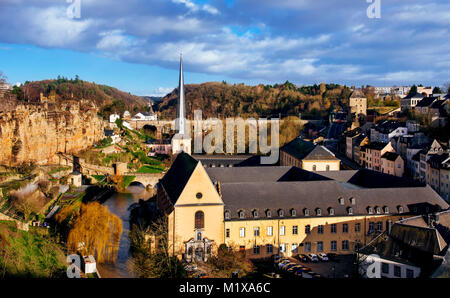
[(37, 132)]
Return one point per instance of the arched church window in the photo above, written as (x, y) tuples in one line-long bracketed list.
[(199, 220)]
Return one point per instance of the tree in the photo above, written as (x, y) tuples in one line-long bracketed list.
[(2, 77), (437, 90), (412, 91), (27, 203), (96, 231), (227, 260)]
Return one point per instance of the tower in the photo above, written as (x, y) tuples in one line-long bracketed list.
[(181, 141)]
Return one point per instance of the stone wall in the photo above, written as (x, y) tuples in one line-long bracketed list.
[(37, 132)]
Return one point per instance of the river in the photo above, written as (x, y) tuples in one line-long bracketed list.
[(118, 204)]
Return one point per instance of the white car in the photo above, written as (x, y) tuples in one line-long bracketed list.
[(313, 258), (323, 257)]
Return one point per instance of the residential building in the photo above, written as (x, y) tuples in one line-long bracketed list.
[(308, 156), (414, 247), (292, 209), (358, 105), (409, 102), (113, 118), (384, 131), (392, 164), (426, 91), (371, 155), (145, 116)]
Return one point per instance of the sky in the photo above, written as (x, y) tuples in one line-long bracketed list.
[(134, 45)]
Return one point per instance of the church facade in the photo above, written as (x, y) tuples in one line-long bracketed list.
[(263, 211)]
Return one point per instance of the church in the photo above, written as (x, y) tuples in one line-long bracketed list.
[(278, 210)]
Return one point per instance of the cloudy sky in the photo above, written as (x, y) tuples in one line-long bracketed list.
[(135, 44)]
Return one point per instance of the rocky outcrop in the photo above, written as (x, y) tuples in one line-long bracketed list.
[(37, 132)]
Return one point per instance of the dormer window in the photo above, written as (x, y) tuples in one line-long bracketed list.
[(352, 201), (400, 209), (318, 212), (306, 211), (227, 215), (386, 209), (280, 213), (350, 210), (241, 214), (293, 212), (330, 211), (378, 210), (268, 213), (341, 201), (255, 213), (370, 210)]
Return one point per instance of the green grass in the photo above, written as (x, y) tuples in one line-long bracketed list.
[(58, 169), (29, 254), (150, 169), (127, 181), (99, 177)]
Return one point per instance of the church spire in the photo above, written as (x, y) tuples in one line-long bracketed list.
[(180, 125)]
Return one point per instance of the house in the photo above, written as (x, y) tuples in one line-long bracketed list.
[(113, 118), (423, 105), (126, 124), (159, 147), (361, 140), (414, 247), (351, 138), (438, 167), (438, 113), (265, 211), (358, 105), (384, 131), (145, 116), (371, 155), (114, 137), (410, 101), (126, 115), (426, 91), (392, 164), (308, 156), (75, 179)]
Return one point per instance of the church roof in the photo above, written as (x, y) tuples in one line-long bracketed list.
[(178, 175)]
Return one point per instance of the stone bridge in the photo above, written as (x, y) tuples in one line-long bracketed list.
[(146, 179)]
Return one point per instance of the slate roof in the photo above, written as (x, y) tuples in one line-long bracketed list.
[(304, 150), (229, 160), (178, 175), (426, 101), (375, 146), (357, 94), (392, 156)]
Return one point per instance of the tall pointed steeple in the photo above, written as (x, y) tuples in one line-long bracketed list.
[(180, 125)]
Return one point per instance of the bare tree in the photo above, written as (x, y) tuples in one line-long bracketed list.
[(2, 77)]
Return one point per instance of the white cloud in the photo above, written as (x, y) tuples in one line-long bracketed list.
[(194, 7)]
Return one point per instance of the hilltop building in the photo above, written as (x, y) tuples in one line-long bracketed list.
[(263, 211)]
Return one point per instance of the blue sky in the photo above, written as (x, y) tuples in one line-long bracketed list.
[(134, 45)]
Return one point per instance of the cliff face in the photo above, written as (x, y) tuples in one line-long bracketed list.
[(37, 132)]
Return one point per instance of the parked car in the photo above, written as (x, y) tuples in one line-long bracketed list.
[(333, 257), (283, 263), (287, 266), (302, 258), (323, 257), (272, 275), (313, 258)]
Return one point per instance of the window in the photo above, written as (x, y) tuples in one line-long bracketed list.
[(400, 209), (318, 212), (307, 229), (280, 213), (199, 220), (294, 247), (255, 214), (307, 246), (269, 248), (341, 201), (350, 211), (333, 228), (378, 210), (352, 201), (227, 233), (330, 211), (357, 227), (327, 167), (227, 215), (256, 231), (314, 167), (397, 271), (386, 209), (199, 236), (282, 230), (370, 210), (241, 214), (409, 273), (345, 228), (320, 246), (385, 268), (345, 245), (293, 212), (380, 226), (320, 229), (256, 250), (282, 247), (199, 195), (333, 245), (306, 212), (294, 230), (268, 213), (269, 231), (371, 226), (242, 232)]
